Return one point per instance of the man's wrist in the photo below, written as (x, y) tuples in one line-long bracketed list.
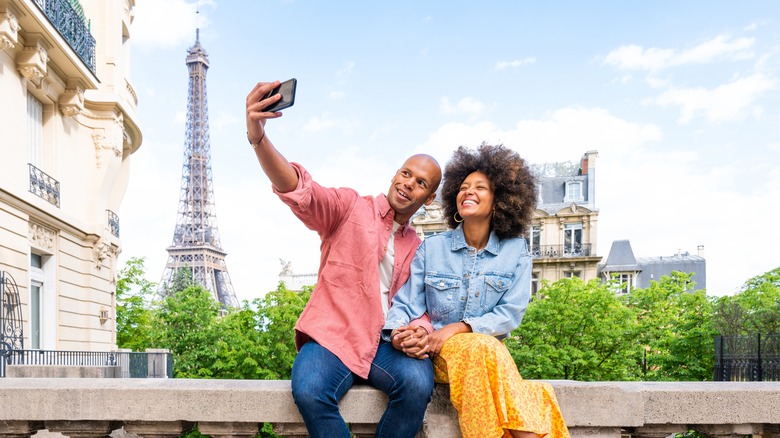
[(257, 143)]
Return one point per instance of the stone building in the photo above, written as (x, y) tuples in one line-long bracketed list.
[(68, 129), (637, 272)]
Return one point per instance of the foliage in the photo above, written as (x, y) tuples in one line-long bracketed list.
[(278, 311), (579, 331), (674, 330), (755, 309), (133, 313), (186, 325)]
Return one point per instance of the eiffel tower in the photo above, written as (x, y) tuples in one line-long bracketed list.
[(196, 255)]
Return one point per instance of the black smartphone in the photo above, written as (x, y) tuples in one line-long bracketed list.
[(287, 90)]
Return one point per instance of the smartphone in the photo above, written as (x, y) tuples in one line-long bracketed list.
[(287, 90)]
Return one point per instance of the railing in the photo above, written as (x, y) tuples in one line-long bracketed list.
[(113, 222), (44, 186), (64, 17), (89, 408), (557, 251), (753, 358), (131, 364)]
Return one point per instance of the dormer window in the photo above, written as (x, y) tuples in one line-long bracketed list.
[(573, 192)]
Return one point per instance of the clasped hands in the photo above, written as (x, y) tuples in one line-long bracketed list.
[(412, 340)]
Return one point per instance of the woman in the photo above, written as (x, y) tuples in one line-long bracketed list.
[(474, 281)]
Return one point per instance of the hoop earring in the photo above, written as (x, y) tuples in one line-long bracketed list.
[(455, 216)]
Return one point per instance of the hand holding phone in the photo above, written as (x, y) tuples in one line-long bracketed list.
[(287, 90)]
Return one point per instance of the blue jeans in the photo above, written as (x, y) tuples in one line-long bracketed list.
[(320, 379)]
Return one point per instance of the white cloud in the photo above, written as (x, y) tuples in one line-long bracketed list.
[(316, 123), (325, 122), (564, 134), (727, 102), (503, 65), (336, 94), (635, 57), (153, 27), (467, 105), (345, 72)]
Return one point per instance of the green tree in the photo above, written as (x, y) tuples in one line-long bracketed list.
[(133, 313), (277, 313), (186, 325), (674, 330), (577, 330), (755, 309)]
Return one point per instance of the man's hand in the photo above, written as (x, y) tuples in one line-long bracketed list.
[(411, 340), (255, 114)]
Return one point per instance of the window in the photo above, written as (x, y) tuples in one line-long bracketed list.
[(573, 192), (42, 312), (624, 282), (534, 284), (572, 274), (36, 289), (34, 130), (572, 239), (536, 241)]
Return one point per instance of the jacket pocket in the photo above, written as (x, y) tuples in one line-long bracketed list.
[(496, 285), (441, 291)]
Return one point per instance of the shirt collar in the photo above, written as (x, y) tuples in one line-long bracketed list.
[(385, 210), (459, 241)]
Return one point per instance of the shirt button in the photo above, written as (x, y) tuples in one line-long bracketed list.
[(441, 284), (385, 249), (477, 294), (387, 228)]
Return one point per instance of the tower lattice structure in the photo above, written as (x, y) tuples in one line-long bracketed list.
[(196, 255)]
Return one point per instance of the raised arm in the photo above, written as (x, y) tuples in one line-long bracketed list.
[(274, 164)]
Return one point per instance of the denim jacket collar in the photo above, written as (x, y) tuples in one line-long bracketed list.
[(459, 241)]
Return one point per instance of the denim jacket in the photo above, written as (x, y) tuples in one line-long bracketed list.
[(488, 289)]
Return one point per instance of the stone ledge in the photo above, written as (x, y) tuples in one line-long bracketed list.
[(238, 407)]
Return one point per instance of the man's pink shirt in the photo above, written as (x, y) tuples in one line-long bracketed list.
[(344, 313)]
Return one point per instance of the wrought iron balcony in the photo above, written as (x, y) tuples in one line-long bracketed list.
[(44, 186), (71, 25), (113, 222), (560, 251)]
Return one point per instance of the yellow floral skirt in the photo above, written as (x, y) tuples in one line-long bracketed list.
[(489, 394)]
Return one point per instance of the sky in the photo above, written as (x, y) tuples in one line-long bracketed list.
[(680, 99)]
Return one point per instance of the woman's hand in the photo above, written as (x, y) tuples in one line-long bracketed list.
[(411, 340), (437, 339)]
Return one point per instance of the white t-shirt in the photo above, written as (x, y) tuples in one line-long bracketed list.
[(386, 270)]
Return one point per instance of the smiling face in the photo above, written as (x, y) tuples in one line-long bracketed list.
[(413, 185), (475, 198)]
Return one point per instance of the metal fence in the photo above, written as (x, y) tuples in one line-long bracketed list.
[(753, 358), (131, 364)]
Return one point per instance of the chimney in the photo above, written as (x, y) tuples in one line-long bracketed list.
[(700, 251)]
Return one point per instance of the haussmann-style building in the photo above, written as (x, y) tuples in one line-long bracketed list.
[(67, 132)]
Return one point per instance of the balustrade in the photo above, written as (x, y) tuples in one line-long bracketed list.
[(94, 407)]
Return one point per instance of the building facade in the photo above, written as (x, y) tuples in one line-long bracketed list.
[(67, 117), (637, 272), (562, 238)]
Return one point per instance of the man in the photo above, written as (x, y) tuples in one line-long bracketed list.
[(367, 247)]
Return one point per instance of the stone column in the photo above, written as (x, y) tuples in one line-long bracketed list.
[(157, 429), (19, 429), (658, 431), (82, 429), (228, 429)]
